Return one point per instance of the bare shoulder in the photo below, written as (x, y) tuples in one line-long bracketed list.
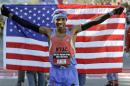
[(76, 29), (45, 30)]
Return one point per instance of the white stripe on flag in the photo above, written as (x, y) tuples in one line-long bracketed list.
[(27, 52), (99, 43), (88, 11), (99, 65), (102, 32), (108, 21), (98, 55), (25, 40), (28, 63)]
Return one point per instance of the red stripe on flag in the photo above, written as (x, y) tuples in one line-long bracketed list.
[(98, 38), (33, 68), (104, 26), (27, 57), (88, 71), (78, 6), (100, 71), (26, 46), (107, 26), (100, 60), (100, 49)]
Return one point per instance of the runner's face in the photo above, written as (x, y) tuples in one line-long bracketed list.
[(60, 23)]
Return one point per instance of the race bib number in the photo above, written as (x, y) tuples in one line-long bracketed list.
[(61, 59), (64, 62)]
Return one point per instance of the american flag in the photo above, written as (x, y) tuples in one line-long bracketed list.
[(99, 49)]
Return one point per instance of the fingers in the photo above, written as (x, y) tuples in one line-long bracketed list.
[(119, 10)]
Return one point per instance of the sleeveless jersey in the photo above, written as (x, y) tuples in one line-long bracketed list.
[(62, 45)]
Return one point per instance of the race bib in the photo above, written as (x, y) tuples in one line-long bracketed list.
[(61, 59)]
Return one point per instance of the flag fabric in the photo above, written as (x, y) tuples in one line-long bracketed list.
[(99, 49), (53, 1)]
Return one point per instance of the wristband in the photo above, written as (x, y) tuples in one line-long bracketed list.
[(111, 13)]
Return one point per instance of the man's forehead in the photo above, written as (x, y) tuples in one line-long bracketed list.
[(59, 12), (61, 17)]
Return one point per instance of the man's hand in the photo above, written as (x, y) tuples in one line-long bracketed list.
[(5, 11), (118, 10)]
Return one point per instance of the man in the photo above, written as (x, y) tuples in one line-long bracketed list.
[(61, 44), (112, 79), (21, 78), (82, 79), (36, 78)]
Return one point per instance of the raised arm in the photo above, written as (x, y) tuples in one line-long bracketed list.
[(102, 18), (23, 22), (97, 20)]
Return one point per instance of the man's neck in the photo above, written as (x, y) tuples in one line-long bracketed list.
[(61, 31)]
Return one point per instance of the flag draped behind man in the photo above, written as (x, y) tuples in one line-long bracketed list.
[(98, 49)]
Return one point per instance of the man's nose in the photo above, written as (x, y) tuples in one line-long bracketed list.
[(60, 21)]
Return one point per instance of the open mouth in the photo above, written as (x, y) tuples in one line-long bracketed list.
[(60, 25)]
